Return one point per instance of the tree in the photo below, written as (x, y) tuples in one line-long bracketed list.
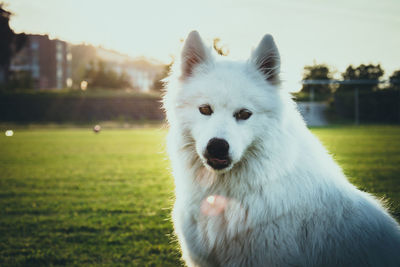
[(82, 57), (124, 80), (10, 43), (394, 80), (100, 76), (317, 73), (363, 77), (7, 36)]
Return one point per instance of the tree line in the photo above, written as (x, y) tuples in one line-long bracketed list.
[(361, 95), (318, 79), (98, 75)]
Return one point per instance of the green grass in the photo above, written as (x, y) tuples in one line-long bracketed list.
[(370, 157), (71, 197), (74, 197)]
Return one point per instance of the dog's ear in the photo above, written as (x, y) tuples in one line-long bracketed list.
[(194, 52), (267, 60)]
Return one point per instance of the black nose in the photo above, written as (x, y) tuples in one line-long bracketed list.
[(217, 148)]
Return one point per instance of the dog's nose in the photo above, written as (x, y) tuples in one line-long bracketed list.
[(217, 148)]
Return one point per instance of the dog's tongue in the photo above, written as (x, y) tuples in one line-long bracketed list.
[(219, 161)]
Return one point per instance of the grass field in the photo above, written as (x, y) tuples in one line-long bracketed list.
[(71, 197)]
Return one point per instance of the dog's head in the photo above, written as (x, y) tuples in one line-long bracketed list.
[(227, 108)]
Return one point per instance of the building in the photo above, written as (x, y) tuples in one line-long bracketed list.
[(46, 60), (141, 71)]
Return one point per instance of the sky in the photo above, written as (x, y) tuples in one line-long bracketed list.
[(337, 33)]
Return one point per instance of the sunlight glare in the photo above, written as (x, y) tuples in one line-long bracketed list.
[(214, 205), (84, 85), (211, 200)]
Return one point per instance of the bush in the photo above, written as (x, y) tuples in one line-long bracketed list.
[(76, 107)]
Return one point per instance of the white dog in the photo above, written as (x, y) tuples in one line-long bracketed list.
[(253, 186)]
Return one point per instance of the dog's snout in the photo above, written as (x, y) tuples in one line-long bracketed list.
[(217, 153), (218, 148)]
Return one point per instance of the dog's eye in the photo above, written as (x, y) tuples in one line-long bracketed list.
[(205, 110), (243, 114)]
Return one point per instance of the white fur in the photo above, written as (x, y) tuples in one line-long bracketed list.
[(283, 201)]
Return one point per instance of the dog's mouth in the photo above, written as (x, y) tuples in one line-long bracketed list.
[(217, 163)]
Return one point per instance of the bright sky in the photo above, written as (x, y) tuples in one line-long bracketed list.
[(338, 33)]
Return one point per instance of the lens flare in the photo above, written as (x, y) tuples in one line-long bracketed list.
[(211, 200), (84, 85), (214, 205), (9, 133)]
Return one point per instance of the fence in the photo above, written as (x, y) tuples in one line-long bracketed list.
[(370, 106)]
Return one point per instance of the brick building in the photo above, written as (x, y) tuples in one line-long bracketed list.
[(47, 61)]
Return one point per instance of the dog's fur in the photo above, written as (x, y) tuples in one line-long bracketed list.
[(282, 201)]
